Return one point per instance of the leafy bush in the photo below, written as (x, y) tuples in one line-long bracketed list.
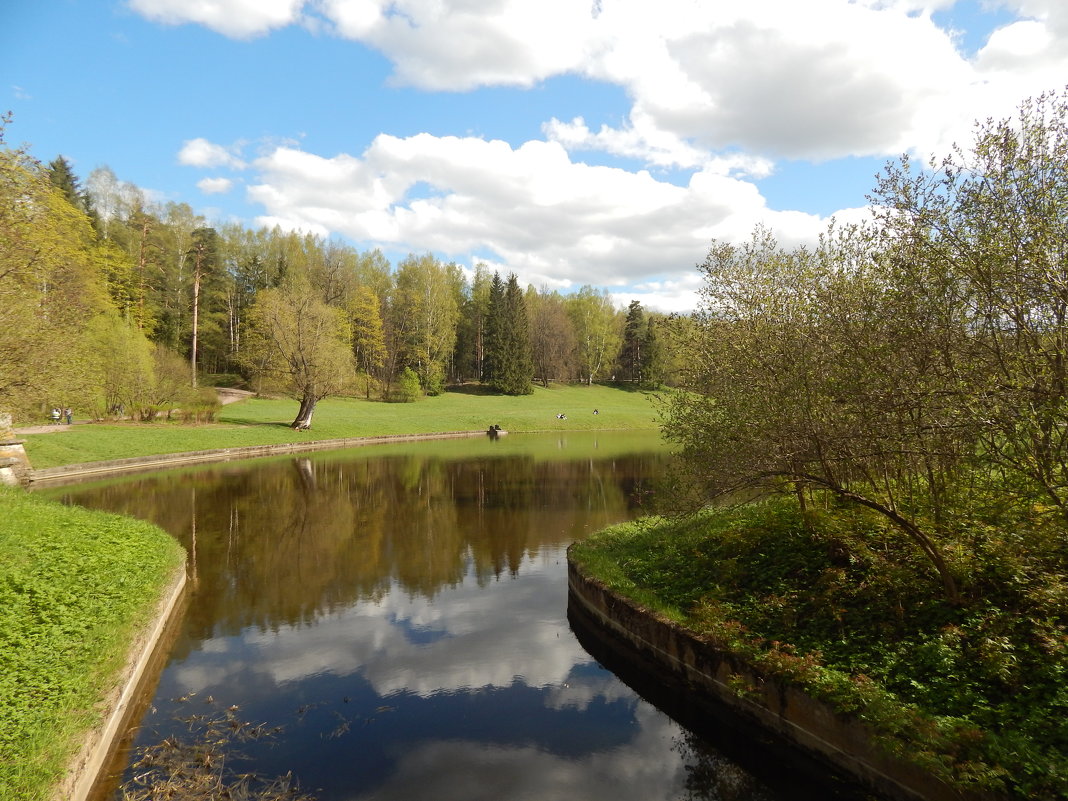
[(407, 389)]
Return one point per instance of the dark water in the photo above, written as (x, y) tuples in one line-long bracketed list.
[(401, 614)]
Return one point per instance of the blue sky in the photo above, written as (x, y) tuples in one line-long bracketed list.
[(604, 142)]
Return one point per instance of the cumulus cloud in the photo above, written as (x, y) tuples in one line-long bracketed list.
[(462, 44), (718, 93), (538, 212), (237, 18), (200, 152), (215, 186), (771, 78)]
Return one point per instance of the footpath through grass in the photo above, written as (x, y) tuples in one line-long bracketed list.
[(75, 588), (266, 422), (838, 605)]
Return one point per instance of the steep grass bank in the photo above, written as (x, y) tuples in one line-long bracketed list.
[(839, 606), (266, 422), (75, 587)]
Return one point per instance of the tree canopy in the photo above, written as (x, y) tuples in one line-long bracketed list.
[(914, 367)]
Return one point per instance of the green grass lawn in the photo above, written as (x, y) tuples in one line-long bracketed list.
[(261, 421), (75, 586)]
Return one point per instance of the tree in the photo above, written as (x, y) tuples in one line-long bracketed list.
[(296, 340), (597, 331), (62, 176), (368, 339), (654, 355), (631, 358), (989, 229), (471, 328), (509, 364), (804, 372), (49, 290), (552, 337), (425, 312), (205, 258)]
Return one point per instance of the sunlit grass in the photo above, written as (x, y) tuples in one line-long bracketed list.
[(74, 587), (261, 421)]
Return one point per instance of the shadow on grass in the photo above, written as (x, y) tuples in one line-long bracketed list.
[(626, 386), (238, 421), (472, 389)]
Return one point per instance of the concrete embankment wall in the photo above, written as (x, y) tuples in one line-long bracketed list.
[(87, 768), (78, 471), (842, 744)]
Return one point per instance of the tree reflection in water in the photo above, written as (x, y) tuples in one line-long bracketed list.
[(402, 616)]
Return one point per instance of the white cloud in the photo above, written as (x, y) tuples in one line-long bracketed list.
[(241, 19), (718, 90), (553, 221), (200, 152), (467, 43), (817, 80), (215, 186)]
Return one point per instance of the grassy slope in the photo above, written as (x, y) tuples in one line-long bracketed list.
[(262, 422), (975, 693), (75, 586)]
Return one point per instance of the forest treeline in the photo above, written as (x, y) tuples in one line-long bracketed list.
[(114, 304)]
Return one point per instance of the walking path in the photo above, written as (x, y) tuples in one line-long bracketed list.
[(226, 395)]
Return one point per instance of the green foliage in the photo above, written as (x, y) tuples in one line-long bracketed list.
[(916, 367), (407, 388), (509, 368), (839, 604), (74, 587)]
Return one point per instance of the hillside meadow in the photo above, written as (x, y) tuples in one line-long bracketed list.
[(265, 421)]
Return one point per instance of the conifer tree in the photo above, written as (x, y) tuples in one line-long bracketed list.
[(631, 361), (508, 344)]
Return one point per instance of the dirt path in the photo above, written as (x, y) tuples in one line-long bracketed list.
[(226, 395)]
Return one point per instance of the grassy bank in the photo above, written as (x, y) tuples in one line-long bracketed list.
[(75, 586), (976, 693), (266, 422)]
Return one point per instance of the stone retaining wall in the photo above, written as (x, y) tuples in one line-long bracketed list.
[(88, 766), (842, 743), (58, 474)]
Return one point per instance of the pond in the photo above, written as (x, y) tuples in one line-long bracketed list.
[(399, 614)]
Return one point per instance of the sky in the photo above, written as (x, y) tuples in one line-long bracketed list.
[(572, 142)]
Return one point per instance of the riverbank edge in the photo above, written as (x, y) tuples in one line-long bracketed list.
[(82, 469), (87, 766), (704, 671)]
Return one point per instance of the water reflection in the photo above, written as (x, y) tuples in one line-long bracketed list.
[(402, 616)]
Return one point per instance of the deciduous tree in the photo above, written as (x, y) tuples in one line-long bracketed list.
[(296, 340)]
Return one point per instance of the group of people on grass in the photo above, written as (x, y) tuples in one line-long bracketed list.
[(58, 415)]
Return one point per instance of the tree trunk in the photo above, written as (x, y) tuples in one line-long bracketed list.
[(304, 416), (196, 316)]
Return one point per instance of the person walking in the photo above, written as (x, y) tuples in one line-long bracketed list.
[(68, 414), (55, 415)]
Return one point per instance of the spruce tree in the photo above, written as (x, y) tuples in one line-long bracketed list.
[(509, 365), (495, 338), (518, 375), (631, 362)]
